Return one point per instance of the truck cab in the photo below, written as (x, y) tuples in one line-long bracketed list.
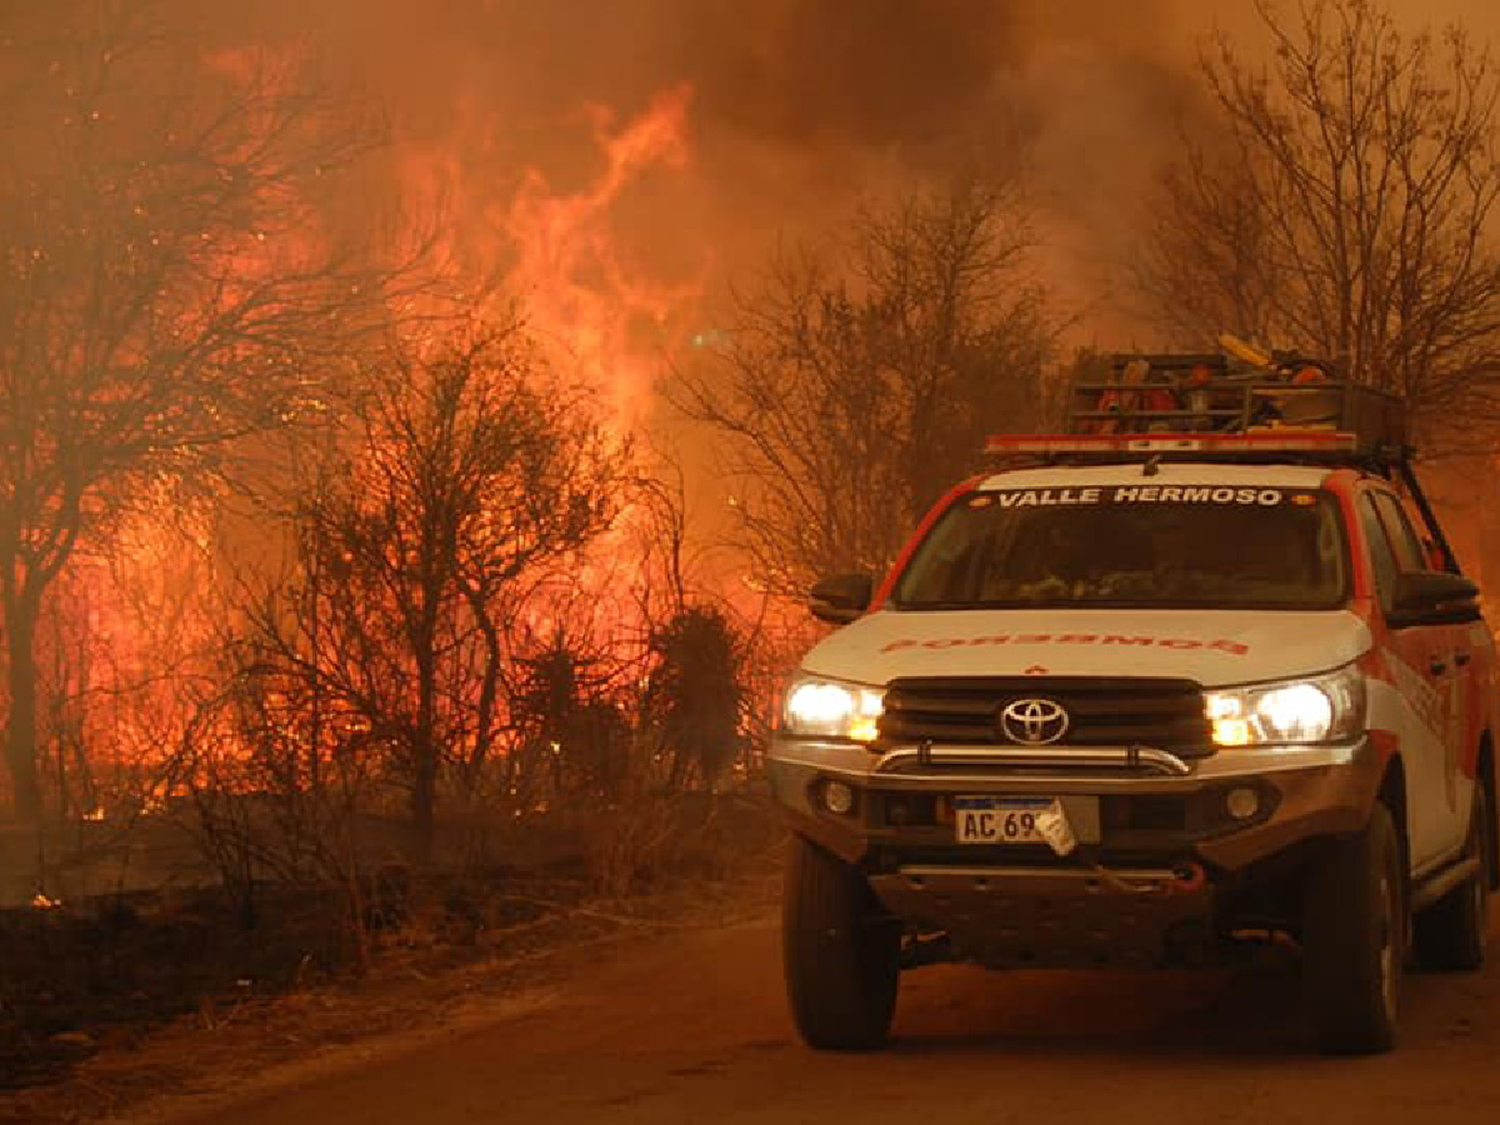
[(1182, 679)]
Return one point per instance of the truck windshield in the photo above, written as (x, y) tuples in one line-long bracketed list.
[(1131, 546)]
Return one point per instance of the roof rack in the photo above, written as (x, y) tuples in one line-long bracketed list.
[(1334, 445), (1244, 405)]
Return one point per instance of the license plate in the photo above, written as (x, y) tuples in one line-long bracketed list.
[(1000, 820)]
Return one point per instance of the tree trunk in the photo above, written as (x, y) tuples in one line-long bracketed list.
[(425, 751), (20, 732), (424, 798)]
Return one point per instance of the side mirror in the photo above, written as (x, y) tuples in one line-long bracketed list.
[(1432, 597), (842, 598)]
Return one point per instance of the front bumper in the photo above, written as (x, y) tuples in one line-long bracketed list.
[(1160, 855), (1141, 806)]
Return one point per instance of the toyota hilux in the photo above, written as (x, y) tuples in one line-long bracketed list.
[(1200, 673)]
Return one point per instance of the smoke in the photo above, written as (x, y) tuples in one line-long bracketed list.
[(801, 108), (825, 76)]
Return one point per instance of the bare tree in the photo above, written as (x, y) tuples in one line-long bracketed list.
[(164, 286), (859, 384), (1343, 205), (466, 472)]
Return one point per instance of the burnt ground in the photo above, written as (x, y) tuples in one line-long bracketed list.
[(74, 981), (687, 1023), (109, 998)]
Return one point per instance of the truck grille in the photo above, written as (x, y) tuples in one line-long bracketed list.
[(1102, 711)]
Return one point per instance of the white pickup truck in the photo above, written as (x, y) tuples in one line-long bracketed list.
[(1154, 697)]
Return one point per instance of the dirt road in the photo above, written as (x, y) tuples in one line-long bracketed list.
[(692, 1028)]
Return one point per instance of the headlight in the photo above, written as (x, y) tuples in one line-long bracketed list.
[(828, 709), (1326, 708)]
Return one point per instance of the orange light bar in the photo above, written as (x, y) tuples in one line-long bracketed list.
[(1271, 441)]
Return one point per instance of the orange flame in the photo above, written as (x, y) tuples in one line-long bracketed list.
[(578, 293), (601, 318)]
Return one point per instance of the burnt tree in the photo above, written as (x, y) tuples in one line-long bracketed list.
[(460, 472), (164, 289)]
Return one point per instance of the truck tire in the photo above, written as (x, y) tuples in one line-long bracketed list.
[(841, 953), (1450, 934), (1355, 925)]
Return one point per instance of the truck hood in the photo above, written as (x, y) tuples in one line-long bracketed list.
[(1214, 647)]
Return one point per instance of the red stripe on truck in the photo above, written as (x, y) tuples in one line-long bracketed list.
[(954, 495)]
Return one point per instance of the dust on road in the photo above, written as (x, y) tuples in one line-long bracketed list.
[(692, 1028)]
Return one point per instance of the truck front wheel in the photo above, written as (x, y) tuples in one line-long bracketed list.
[(841, 953), (1355, 924)]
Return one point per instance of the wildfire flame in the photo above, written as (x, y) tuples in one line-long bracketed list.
[(602, 319), (577, 291), (599, 316)]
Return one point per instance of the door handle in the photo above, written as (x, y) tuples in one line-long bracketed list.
[(1460, 658), (1437, 665)]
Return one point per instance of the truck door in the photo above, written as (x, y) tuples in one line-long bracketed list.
[(1429, 673)]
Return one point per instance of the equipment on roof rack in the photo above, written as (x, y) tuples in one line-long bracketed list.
[(1240, 405), (1282, 402), (1243, 404)]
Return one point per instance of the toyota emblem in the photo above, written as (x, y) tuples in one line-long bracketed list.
[(1033, 721)]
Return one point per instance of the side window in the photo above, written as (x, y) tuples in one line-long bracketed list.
[(1410, 554), (1382, 557)]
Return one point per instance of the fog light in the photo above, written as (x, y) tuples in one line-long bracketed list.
[(1232, 732), (838, 797), (1242, 803)]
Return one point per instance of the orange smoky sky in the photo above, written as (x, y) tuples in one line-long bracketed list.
[(799, 108)]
